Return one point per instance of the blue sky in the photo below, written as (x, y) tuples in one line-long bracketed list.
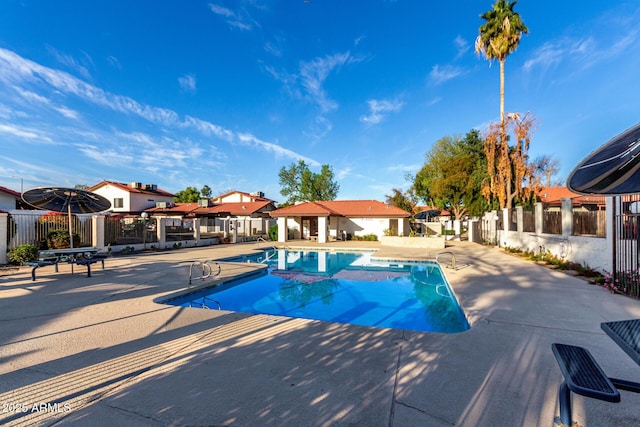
[(225, 93)]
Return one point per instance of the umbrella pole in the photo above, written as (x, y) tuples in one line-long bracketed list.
[(70, 224)]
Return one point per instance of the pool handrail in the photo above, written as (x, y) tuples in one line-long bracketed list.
[(452, 265), (262, 239), (206, 270)]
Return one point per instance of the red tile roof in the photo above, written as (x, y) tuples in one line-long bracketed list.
[(176, 208), (192, 209), (553, 196), (126, 187), (348, 208)]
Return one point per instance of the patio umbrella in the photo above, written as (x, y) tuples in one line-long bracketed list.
[(613, 169), (69, 200), (428, 214)]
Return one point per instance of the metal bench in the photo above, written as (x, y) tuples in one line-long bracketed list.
[(38, 264), (87, 263), (582, 375)]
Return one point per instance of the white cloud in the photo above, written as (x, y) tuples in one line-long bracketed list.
[(439, 75), (343, 173), (462, 46), (106, 156), (318, 129), (70, 62), (24, 133), (379, 108), (32, 97), (16, 71), (314, 73), (274, 47), (67, 112), (187, 83), (614, 33), (248, 139), (207, 128), (114, 62), (241, 20)]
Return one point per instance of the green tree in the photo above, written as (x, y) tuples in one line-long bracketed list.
[(400, 199), (298, 183), (499, 36), (472, 147), (205, 192), (452, 175), (188, 195)]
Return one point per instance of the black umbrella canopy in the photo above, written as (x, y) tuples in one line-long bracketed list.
[(613, 169), (428, 214), (70, 200)]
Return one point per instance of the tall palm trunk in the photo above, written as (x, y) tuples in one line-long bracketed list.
[(502, 92), (504, 143)]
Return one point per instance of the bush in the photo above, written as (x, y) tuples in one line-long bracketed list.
[(366, 237), (273, 232), (59, 239), (22, 254)]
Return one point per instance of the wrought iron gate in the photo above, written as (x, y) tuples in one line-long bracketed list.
[(626, 242)]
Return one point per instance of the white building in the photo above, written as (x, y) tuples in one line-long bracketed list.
[(9, 199), (132, 198)]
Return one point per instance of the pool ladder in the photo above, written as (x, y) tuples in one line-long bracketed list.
[(207, 271), (261, 239), (452, 261), (203, 304)]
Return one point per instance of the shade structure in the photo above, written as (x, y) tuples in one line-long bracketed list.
[(69, 200), (613, 169)]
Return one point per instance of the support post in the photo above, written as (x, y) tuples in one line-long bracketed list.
[(4, 226)]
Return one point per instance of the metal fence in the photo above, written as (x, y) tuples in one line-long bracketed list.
[(179, 229), (626, 240), (34, 228), (119, 230)]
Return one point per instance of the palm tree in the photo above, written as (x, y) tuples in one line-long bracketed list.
[(499, 36)]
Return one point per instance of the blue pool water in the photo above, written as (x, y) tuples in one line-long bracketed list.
[(345, 287)]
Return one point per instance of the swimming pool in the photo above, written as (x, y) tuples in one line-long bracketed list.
[(343, 287)]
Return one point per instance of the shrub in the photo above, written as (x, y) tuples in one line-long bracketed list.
[(59, 239), (366, 237), (22, 254), (273, 232), (627, 283)]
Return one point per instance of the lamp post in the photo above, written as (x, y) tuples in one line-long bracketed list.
[(145, 217), (21, 183)]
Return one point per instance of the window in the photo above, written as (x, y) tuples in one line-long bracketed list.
[(118, 203)]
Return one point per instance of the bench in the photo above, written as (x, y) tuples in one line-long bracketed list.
[(87, 263), (38, 264), (582, 375)]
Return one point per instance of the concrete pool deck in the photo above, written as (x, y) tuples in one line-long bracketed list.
[(99, 351)]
